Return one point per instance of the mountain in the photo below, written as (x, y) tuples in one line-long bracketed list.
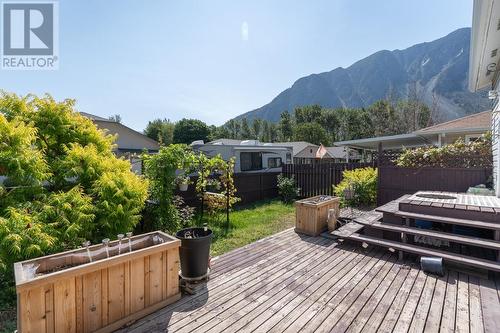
[(437, 70)]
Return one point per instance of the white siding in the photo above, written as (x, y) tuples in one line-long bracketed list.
[(495, 132)]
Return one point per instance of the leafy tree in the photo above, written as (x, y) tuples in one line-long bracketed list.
[(233, 126), (354, 124), (414, 115), (219, 132), (161, 130), (257, 128), (245, 129), (385, 119), (286, 126), (63, 182), (189, 130), (311, 132), (329, 120), (265, 132), (273, 132), (308, 114)]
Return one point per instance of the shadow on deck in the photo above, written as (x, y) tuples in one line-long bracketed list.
[(290, 282)]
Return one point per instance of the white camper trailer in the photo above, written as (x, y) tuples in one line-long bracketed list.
[(250, 155)]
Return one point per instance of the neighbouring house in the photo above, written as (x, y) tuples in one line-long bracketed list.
[(484, 65), (468, 128), (250, 155), (308, 153), (129, 143)]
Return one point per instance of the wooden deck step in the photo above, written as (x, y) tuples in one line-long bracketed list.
[(347, 230), (447, 256), (481, 242), (392, 206), (449, 220)]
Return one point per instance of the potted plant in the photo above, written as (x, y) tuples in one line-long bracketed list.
[(195, 252), (183, 182), (213, 185)]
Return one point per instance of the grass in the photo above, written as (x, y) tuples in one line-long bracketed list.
[(250, 223)]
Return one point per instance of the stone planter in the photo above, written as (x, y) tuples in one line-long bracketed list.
[(311, 214), (66, 292)]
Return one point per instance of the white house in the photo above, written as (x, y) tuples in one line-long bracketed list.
[(484, 66)]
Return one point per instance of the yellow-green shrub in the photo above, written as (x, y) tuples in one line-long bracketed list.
[(363, 182)]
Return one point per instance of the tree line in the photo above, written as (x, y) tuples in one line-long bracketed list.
[(313, 123)]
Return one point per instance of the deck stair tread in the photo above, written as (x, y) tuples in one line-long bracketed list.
[(353, 226), (347, 230), (392, 206), (447, 256), (475, 241), (449, 220), (369, 217)]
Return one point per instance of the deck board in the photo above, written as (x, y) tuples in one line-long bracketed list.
[(292, 283)]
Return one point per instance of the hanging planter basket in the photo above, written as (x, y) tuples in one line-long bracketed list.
[(183, 187)]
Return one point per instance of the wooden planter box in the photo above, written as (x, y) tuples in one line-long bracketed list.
[(71, 294), (311, 214)]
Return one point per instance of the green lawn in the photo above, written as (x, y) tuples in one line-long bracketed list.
[(250, 223)]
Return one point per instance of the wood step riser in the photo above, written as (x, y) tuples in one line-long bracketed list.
[(447, 256)]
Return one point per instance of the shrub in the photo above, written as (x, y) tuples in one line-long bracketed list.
[(287, 189), (363, 182), (456, 155), (63, 182)]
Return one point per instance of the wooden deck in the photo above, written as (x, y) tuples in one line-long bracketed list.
[(292, 283)]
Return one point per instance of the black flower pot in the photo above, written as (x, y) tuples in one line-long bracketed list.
[(194, 252)]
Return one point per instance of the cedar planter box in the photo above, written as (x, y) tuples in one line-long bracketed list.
[(311, 214), (68, 293)]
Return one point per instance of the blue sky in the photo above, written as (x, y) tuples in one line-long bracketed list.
[(213, 60)]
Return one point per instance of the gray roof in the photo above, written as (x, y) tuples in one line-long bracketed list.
[(128, 139), (94, 117), (336, 152), (297, 146)]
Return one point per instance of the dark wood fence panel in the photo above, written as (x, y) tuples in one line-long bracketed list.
[(393, 182), (256, 186), (250, 187), (318, 179)]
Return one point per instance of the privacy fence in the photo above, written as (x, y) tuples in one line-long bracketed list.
[(250, 187), (395, 181), (317, 179)]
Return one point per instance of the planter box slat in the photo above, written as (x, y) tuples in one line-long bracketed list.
[(100, 296), (311, 217)]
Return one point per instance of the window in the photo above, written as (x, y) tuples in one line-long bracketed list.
[(274, 162), (472, 138), (250, 161), (288, 158)]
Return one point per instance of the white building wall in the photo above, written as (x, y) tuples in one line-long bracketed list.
[(495, 133)]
